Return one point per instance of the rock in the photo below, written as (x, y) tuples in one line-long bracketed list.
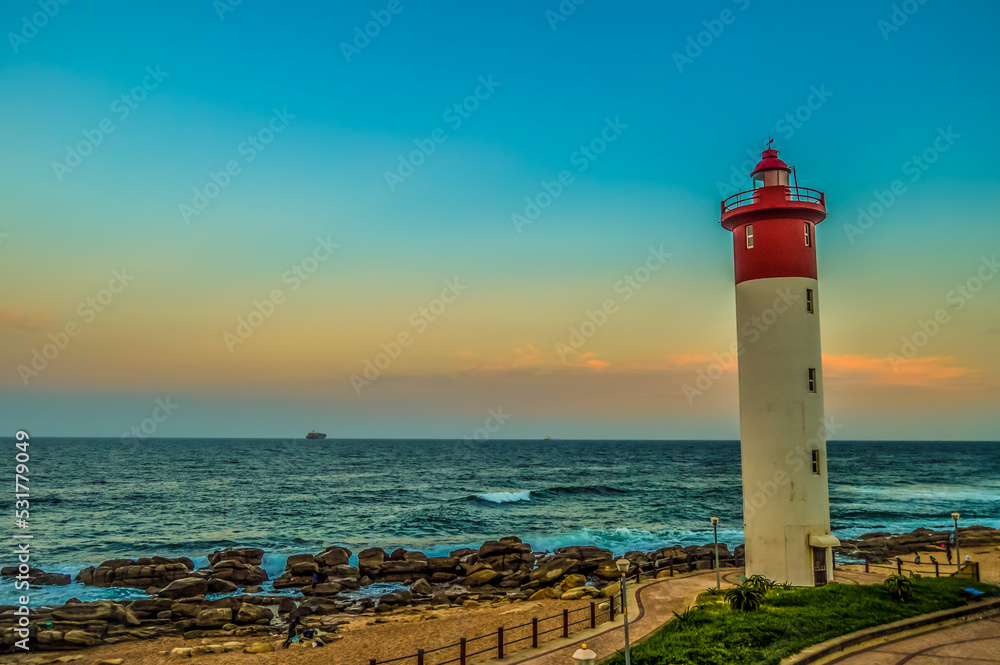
[(575, 593), (507, 554), (181, 652), (465, 551), (442, 564), (110, 661), (245, 555), (470, 605), (422, 586), (543, 594), (214, 617), (333, 556), (590, 557), (554, 569), (233, 646), (286, 605), (324, 589), (481, 577), (573, 581), (612, 590), (98, 611), (140, 573), (248, 613), (37, 576), (607, 570), (370, 561), (439, 599), (218, 585), (259, 647), (253, 589), (238, 573), (185, 587), (80, 638)]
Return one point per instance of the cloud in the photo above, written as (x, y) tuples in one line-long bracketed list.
[(35, 320), (932, 371)]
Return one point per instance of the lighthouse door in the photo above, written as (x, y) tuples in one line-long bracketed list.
[(819, 565)]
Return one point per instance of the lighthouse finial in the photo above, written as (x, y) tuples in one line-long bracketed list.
[(769, 142)]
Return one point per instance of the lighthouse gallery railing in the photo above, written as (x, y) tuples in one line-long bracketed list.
[(793, 194)]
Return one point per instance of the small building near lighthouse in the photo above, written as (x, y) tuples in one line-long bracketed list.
[(786, 501)]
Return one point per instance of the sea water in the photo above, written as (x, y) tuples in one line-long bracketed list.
[(97, 499)]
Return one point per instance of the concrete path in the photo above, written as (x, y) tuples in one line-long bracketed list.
[(973, 643), (650, 605)]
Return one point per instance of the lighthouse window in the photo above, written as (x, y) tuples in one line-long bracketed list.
[(812, 379), (808, 235), (809, 300), (815, 461), (749, 236)]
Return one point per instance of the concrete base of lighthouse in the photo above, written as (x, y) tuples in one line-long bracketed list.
[(786, 503)]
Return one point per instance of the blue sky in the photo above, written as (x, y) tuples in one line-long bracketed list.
[(878, 98)]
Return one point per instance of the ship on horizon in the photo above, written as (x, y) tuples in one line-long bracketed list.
[(315, 435)]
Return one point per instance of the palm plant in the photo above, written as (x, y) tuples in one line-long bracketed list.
[(745, 598), (760, 583), (899, 587)]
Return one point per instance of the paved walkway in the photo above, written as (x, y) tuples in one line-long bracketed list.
[(973, 643), (650, 605)]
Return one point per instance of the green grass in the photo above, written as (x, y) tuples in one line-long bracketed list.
[(788, 622)]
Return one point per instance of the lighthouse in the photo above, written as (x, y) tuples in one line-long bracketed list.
[(786, 500)]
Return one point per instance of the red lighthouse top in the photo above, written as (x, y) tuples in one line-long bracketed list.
[(768, 161), (773, 223)]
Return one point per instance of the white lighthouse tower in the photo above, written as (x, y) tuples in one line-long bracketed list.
[(786, 501)]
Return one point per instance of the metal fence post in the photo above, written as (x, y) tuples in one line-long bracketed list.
[(937, 570), (534, 633), (461, 651), (899, 566), (866, 565), (500, 642), (593, 614), (420, 657), (565, 623), (611, 609)]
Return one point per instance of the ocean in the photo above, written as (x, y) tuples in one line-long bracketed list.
[(97, 499)]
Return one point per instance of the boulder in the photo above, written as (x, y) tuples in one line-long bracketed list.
[(185, 587), (573, 581), (554, 569), (442, 564), (218, 585), (245, 555), (38, 576), (333, 556), (239, 573), (542, 594), (481, 577), (248, 613), (139, 573), (575, 593), (370, 561), (214, 617), (422, 587)]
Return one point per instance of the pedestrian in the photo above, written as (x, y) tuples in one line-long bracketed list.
[(315, 579), (293, 627), (948, 553), (933, 560)]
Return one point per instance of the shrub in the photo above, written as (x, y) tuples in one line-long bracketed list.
[(760, 583), (745, 598), (899, 587)]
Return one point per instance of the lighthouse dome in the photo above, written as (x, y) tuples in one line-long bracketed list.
[(771, 170)]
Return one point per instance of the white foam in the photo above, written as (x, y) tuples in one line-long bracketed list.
[(505, 497)]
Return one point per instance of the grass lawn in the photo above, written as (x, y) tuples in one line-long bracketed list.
[(788, 622)]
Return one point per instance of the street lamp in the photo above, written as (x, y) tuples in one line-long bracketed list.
[(718, 575), (958, 550), (584, 656), (622, 565)]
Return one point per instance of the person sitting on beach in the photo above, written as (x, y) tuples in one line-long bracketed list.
[(293, 627), (933, 560), (916, 559)]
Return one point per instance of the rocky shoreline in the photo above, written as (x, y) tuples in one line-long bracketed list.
[(504, 570)]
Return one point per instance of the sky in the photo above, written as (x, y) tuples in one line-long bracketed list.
[(421, 220)]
